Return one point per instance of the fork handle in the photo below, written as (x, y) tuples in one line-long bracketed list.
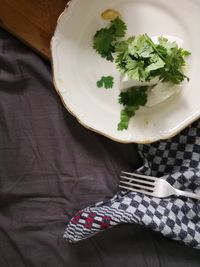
[(187, 194)]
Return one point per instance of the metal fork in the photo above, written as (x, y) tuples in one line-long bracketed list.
[(152, 186)]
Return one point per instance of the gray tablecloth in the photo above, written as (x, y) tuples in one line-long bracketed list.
[(50, 167)]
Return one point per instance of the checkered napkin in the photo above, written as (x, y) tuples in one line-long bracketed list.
[(176, 160)]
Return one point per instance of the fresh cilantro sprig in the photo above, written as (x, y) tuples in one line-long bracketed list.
[(105, 39), (132, 100), (173, 57), (142, 60), (106, 82)]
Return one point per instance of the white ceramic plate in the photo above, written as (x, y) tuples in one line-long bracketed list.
[(77, 66)]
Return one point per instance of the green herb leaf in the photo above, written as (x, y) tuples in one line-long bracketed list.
[(106, 82), (168, 46), (126, 114), (155, 63), (144, 60), (136, 70), (119, 27), (122, 46), (173, 58), (132, 99), (140, 48), (105, 39), (103, 43)]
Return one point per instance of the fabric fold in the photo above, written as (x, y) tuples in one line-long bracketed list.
[(176, 160)]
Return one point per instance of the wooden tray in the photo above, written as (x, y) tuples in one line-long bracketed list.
[(33, 21)]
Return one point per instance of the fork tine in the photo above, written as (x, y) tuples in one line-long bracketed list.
[(136, 190), (138, 180), (137, 186), (141, 176)]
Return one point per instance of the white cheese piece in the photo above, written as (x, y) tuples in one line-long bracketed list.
[(160, 93), (126, 82)]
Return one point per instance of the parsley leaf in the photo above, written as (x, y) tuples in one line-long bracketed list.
[(125, 117), (155, 63), (105, 39), (106, 82), (122, 47), (140, 48), (132, 99), (173, 58), (103, 43), (119, 27), (144, 60), (136, 70)]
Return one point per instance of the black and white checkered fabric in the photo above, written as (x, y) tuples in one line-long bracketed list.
[(176, 160)]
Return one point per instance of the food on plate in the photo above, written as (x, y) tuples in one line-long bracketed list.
[(151, 68), (105, 39), (110, 14), (106, 82), (167, 78)]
